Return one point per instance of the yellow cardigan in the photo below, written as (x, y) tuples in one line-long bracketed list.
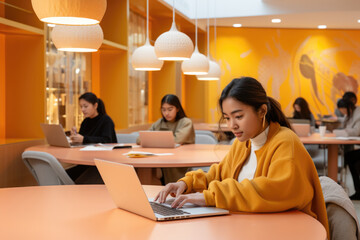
[(285, 178)]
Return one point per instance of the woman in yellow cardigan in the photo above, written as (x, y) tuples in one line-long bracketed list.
[(267, 168)]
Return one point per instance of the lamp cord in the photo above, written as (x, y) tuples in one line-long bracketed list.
[(147, 21)]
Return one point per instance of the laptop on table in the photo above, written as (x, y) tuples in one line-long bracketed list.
[(126, 191), (55, 136), (157, 139)]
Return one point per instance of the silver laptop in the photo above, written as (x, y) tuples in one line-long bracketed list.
[(55, 136), (301, 129), (126, 191), (157, 139)]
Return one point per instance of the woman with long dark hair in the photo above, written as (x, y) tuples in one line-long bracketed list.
[(267, 168), (97, 126), (302, 110), (174, 119)]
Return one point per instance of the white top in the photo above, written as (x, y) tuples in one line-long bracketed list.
[(249, 167)]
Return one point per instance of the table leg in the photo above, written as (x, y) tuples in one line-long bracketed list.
[(333, 151)]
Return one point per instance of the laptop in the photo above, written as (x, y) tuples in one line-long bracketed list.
[(301, 129), (55, 136), (157, 139), (126, 191)]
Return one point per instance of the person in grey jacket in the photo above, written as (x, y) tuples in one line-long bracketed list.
[(351, 127)]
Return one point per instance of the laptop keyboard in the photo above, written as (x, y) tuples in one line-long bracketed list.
[(165, 210)]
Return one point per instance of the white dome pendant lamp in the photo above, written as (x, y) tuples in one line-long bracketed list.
[(198, 64), (77, 38), (70, 12), (144, 57), (173, 45), (214, 70)]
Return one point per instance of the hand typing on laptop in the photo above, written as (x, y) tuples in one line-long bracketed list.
[(176, 190)]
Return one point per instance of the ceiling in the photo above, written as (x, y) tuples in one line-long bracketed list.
[(336, 14)]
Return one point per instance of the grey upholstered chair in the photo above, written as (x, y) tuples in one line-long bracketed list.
[(46, 169)]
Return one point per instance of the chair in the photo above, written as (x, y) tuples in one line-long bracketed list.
[(204, 139), (205, 132), (46, 169), (126, 137)]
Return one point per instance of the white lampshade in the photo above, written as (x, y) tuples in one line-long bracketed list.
[(198, 64), (144, 58), (77, 38), (70, 12), (213, 74), (173, 45)]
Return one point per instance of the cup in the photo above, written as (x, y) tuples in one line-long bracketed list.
[(322, 131)]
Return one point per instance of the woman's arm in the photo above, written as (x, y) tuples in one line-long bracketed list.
[(184, 132)]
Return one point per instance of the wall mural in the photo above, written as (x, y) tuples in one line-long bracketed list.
[(319, 65)]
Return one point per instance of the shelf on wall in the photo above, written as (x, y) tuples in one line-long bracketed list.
[(12, 27)]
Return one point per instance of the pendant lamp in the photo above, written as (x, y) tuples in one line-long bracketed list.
[(144, 57), (70, 12), (77, 38), (198, 64), (214, 69), (173, 45)]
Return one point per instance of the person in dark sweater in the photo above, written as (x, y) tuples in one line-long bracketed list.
[(97, 126)]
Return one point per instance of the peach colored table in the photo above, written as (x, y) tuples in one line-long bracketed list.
[(213, 127), (333, 150), (190, 155), (87, 212)]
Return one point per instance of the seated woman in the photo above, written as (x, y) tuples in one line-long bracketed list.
[(302, 111), (174, 119), (351, 127), (97, 127), (267, 168)]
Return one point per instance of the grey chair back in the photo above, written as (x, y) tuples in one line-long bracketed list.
[(205, 132), (204, 139), (126, 137), (46, 169)]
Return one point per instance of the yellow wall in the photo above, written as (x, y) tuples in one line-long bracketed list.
[(25, 86), (2, 87), (318, 65)]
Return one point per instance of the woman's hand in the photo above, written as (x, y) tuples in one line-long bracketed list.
[(175, 189), (194, 198), (77, 138), (73, 131)]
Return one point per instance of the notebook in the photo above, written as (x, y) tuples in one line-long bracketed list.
[(157, 139), (55, 136), (301, 129), (126, 191)]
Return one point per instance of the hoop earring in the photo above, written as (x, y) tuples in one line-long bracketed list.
[(263, 123)]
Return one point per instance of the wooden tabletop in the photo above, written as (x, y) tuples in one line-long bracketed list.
[(190, 155), (329, 139), (88, 212)]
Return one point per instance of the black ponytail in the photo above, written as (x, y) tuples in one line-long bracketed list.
[(91, 98), (250, 92)]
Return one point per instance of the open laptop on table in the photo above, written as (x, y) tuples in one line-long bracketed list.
[(301, 129), (126, 191), (157, 139), (55, 136)]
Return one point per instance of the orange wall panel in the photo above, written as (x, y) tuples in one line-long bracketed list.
[(25, 86), (2, 87)]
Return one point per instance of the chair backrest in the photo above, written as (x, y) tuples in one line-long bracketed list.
[(126, 137), (205, 132), (46, 169), (204, 139), (295, 120)]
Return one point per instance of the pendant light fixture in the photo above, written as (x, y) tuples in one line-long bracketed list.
[(144, 57), (214, 69), (198, 64), (70, 12), (77, 38), (173, 45)]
